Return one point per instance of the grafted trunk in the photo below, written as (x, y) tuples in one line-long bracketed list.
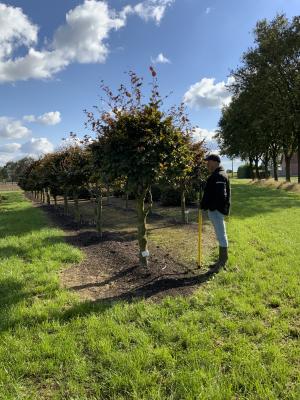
[(107, 195), (126, 200), (48, 196), (76, 206), (99, 213), (142, 232), (183, 207), (150, 202), (66, 204)]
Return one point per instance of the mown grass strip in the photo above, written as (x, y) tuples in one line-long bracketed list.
[(237, 337)]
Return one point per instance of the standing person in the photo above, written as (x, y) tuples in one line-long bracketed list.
[(216, 199)]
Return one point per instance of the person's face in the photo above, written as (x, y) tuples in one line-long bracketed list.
[(212, 165)]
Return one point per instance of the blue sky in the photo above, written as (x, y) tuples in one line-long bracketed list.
[(53, 55)]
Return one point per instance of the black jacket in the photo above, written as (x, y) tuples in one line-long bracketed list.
[(217, 192)]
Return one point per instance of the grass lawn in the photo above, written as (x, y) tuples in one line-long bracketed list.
[(236, 338)]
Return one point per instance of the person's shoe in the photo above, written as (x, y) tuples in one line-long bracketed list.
[(223, 257)]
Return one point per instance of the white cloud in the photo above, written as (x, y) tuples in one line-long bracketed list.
[(201, 134), (15, 30), (82, 39), (149, 9), (5, 158), (10, 148), (207, 93), (208, 136), (160, 59), (36, 64), (12, 129), (208, 10), (36, 147), (87, 26), (49, 118)]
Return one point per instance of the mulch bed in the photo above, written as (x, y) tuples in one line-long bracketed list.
[(111, 271)]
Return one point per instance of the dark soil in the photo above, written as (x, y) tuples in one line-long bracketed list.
[(111, 271)]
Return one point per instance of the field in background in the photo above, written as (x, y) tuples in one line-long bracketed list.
[(292, 186), (8, 187)]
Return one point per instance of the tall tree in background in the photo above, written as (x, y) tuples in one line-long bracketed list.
[(269, 82)]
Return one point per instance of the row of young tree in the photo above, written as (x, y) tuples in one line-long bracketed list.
[(262, 122), (135, 145)]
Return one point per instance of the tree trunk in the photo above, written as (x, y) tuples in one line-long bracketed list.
[(76, 206), (99, 209), (257, 169), (55, 200), (107, 195), (126, 200), (266, 171), (251, 168), (48, 196), (94, 205), (275, 166), (266, 167), (66, 204), (183, 208), (142, 234), (287, 159), (150, 202)]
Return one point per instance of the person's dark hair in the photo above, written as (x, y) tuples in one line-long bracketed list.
[(213, 157)]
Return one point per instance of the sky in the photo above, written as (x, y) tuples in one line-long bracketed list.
[(54, 54)]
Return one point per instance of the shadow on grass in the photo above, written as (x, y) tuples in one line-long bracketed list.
[(156, 288), (12, 292), (157, 285)]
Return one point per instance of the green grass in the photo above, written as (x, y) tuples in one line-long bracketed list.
[(236, 338)]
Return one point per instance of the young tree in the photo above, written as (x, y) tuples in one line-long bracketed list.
[(139, 141), (75, 171), (97, 181)]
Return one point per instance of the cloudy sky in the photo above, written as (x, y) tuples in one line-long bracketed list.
[(53, 55)]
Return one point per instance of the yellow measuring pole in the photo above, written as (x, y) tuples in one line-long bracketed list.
[(199, 236)]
